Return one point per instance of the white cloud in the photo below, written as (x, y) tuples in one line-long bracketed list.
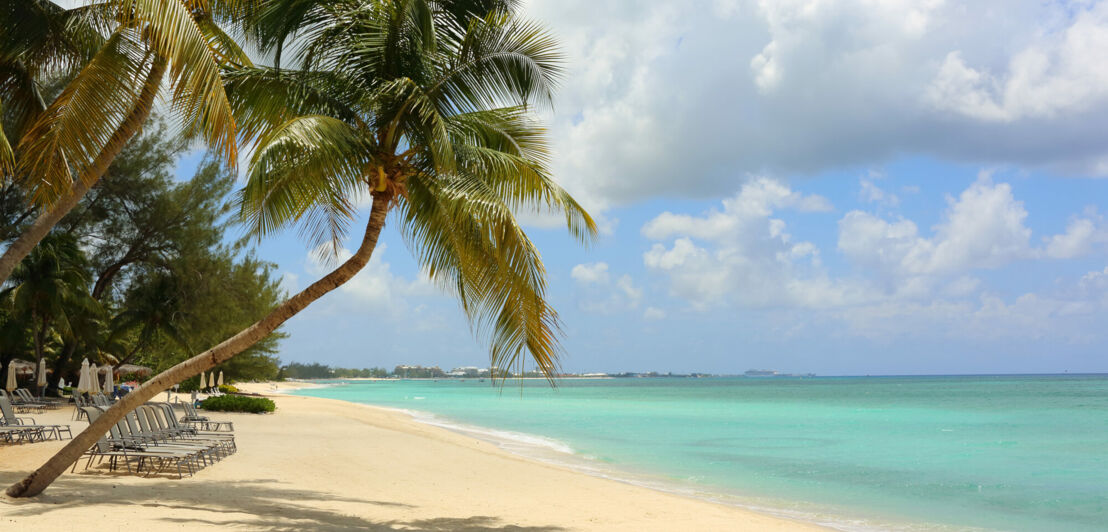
[(290, 283), (603, 296), (594, 273), (654, 313), (982, 228), (375, 287), (1081, 237), (1059, 74), (907, 283), (871, 193), (679, 102), (749, 257)]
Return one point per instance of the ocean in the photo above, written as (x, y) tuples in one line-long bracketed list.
[(853, 453)]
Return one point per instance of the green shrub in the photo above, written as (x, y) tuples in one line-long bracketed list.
[(238, 403), (227, 388)]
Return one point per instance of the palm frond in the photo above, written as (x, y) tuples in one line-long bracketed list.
[(312, 169), (470, 244), (71, 132), (263, 98), (508, 150), (501, 59), (7, 157), (194, 73)]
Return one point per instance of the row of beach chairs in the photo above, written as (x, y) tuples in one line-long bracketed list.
[(15, 429), (22, 400), (151, 439)]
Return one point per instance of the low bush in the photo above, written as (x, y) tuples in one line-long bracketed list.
[(227, 388), (238, 403)]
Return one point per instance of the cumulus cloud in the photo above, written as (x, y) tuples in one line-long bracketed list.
[(594, 273), (982, 228), (604, 296), (1061, 73), (744, 253), (743, 256), (376, 287), (673, 101)]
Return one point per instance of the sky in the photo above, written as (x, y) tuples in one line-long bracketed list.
[(837, 187)]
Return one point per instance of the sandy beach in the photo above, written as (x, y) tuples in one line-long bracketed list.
[(319, 464)]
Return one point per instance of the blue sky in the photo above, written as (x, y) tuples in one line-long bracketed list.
[(809, 186)]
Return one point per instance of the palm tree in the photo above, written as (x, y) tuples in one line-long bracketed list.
[(118, 53), (424, 107), (48, 287)]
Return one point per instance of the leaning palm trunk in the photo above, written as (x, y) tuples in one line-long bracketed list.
[(46, 221), (34, 483)]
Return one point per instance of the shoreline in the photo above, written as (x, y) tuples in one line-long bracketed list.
[(328, 464), (549, 451)]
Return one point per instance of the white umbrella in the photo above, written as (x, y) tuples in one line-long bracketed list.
[(83, 380), (211, 380), (109, 381), (41, 373), (220, 381), (93, 379), (11, 384), (202, 381)]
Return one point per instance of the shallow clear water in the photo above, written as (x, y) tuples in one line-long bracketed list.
[(995, 452)]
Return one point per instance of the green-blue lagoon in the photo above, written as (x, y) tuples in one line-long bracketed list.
[(854, 453)]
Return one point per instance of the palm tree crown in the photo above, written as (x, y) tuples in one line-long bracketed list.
[(425, 106)]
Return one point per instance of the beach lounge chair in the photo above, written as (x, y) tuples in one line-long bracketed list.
[(10, 419), (20, 406), (192, 417), (20, 434), (27, 398), (162, 415), (115, 450), (139, 424)]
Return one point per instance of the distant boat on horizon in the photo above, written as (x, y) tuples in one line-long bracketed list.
[(760, 373)]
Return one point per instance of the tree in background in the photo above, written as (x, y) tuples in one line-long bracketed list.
[(156, 262), (47, 288), (116, 56)]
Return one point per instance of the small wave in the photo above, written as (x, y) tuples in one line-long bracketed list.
[(555, 452), (509, 440)]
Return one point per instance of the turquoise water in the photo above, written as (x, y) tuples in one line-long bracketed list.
[(1003, 452)]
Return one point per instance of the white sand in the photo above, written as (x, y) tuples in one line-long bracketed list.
[(319, 464)]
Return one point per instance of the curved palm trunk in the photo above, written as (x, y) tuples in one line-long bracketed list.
[(56, 465), (47, 220)]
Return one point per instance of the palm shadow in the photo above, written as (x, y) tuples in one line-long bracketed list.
[(268, 505)]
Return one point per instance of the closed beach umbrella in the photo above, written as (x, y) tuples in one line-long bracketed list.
[(220, 381), (109, 381), (93, 379), (202, 381), (41, 373), (11, 384), (82, 380), (211, 380)]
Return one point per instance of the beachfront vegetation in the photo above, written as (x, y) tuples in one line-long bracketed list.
[(238, 403), (316, 370), (422, 107), (154, 273)]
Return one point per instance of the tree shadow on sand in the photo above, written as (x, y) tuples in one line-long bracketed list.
[(266, 505)]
